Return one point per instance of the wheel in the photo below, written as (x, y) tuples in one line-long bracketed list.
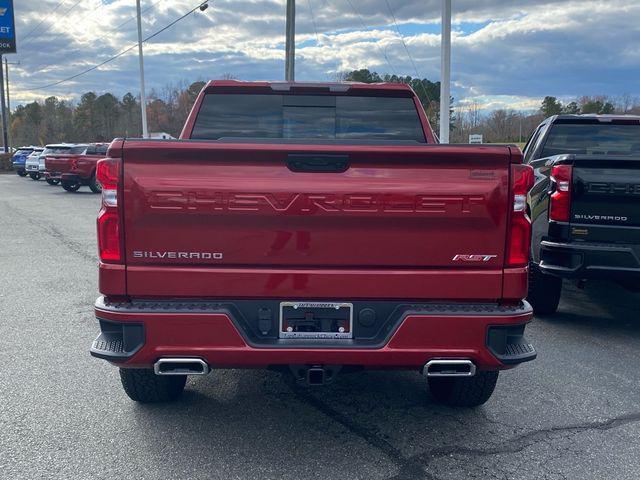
[(94, 184), (144, 386), (35, 176), (21, 173), (544, 291), (70, 186), (463, 391), (53, 181)]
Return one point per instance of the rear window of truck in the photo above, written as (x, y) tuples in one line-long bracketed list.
[(54, 150), (307, 117), (592, 139)]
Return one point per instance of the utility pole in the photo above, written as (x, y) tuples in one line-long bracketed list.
[(445, 71), (6, 73), (143, 97), (520, 134), (3, 107), (290, 46)]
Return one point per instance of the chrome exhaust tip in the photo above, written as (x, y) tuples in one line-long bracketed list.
[(180, 366), (449, 368)]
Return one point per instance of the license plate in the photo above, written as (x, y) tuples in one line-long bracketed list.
[(316, 320)]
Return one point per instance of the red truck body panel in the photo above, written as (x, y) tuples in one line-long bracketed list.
[(231, 222), (78, 166)]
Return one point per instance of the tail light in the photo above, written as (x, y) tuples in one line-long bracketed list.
[(108, 174), (560, 200), (519, 237), (74, 164)]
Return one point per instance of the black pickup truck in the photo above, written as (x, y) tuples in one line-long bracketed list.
[(585, 204)]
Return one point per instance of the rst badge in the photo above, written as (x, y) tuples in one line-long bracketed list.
[(473, 258)]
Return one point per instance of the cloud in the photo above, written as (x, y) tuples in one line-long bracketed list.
[(505, 53)]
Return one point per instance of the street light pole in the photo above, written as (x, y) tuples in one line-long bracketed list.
[(4, 110), (445, 71), (6, 73), (290, 45), (143, 98)]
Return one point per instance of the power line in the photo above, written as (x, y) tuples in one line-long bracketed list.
[(118, 55), (42, 21), (313, 19), (424, 90), (49, 27), (117, 27), (315, 28), (384, 53), (90, 12)]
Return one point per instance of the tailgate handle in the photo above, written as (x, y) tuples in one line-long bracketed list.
[(317, 163)]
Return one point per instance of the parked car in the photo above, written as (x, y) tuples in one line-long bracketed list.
[(19, 158), (76, 166), (34, 164), (312, 228), (585, 205)]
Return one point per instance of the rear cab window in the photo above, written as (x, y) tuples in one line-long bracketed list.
[(56, 149), (25, 151), (78, 150), (344, 119), (593, 139)]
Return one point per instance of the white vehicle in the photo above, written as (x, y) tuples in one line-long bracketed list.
[(34, 164)]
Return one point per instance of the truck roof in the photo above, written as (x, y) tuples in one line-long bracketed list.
[(334, 87), (591, 117)]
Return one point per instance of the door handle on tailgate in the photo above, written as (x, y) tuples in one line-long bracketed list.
[(317, 163)]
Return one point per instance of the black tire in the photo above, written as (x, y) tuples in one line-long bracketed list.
[(144, 386), (94, 184), (463, 391), (53, 181), (35, 176), (544, 291), (21, 173), (70, 186)]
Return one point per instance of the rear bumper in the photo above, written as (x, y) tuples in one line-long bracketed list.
[(71, 177), (575, 260), (137, 334), (52, 175), (33, 169)]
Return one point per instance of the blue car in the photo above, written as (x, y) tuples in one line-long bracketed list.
[(19, 158)]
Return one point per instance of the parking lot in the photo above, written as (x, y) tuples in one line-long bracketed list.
[(572, 413)]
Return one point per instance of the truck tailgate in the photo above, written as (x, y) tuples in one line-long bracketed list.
[(60, 163), (605, 205), (239, 217)]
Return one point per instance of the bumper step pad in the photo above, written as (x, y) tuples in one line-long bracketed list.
[(117, 341), (509, 345)]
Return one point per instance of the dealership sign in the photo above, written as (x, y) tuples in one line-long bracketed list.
[(7, 27)]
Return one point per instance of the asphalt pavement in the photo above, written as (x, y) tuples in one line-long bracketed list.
[(574, 413)]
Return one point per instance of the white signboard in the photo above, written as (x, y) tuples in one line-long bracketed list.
[(476, 138)]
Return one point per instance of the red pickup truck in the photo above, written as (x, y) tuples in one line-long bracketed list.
[(75, 166), (317, 229)]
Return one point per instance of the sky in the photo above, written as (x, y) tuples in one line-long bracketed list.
[(505, 54)]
